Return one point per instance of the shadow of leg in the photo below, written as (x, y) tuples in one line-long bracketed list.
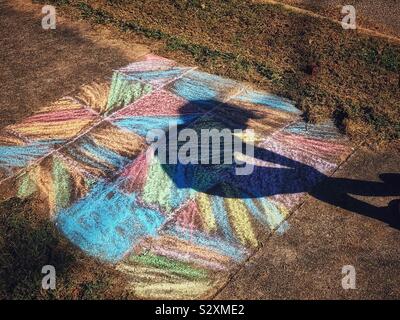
[(334, 192)]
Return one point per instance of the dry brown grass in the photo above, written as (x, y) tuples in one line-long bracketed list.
[(354, 78)]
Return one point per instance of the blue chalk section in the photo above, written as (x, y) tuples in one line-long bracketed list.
[(179, 196), (203, 89), (262, 215), (21, 156), (107, 223), (319, 131), (157, 75), (97, 156), (212, 80), (103, 154), (284, 226), (219, 245), (267, 100), (142, 125), (193, 91)]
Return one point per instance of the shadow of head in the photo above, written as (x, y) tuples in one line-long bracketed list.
[(217, 154)]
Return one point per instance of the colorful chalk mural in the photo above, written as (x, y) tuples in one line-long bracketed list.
[(84, 157)]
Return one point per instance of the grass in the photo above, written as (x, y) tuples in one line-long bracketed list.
[(200, 53)]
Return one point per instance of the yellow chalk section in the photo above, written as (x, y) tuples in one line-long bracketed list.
[(122, 142), (204, 205), (154, 283), (240, 220), (54, 130), (95, 96), (66, 103)]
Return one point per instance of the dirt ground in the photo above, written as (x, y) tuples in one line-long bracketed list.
[(382, 15), (38, 67)]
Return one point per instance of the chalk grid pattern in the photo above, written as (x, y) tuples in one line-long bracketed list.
[(84, 158)]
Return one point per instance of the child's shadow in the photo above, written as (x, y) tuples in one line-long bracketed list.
[(277, 174)]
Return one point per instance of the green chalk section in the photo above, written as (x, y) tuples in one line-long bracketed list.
[(62, 184), (179, 268), (124, 91), (26, 187)]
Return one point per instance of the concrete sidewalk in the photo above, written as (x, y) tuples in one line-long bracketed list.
[(306, 262)]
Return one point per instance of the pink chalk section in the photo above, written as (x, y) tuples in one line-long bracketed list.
[(159, 103)]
